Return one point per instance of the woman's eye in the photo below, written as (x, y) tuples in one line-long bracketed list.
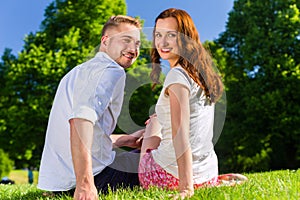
[(157, 35), (171, 35)]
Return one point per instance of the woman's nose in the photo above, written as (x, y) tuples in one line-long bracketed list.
[(163, 41)]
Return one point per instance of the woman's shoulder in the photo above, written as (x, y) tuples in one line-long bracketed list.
[(179, 74)]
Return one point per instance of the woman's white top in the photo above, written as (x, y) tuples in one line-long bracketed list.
[(205, 162)]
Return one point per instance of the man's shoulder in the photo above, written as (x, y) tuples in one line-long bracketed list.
[(103, 61)]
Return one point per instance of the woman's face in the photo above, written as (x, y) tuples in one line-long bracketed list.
[(165, 39)]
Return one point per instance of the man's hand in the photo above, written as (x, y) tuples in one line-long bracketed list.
[(88, 192), (133, 140)]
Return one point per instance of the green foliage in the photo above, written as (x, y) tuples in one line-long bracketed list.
[(6, 164), (86, 15), (31, 82), (69, 33), (257, 57), (262, 79)]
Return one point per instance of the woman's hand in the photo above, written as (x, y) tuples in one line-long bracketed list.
[(150, 117), (183, 194)]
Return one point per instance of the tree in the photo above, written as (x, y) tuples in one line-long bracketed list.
[(262, 39), (6, 164), (69, 33)]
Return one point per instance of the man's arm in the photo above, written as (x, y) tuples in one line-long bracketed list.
[(133, 140), (81, 142)]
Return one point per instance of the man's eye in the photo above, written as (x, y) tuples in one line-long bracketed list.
[(138, 44), (127, 40)]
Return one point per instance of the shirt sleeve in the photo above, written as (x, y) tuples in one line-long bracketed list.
[(110, 91), (93, 91), (178, 76)]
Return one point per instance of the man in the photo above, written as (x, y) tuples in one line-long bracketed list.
[(78, 147)]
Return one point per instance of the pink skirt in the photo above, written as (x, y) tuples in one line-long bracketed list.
[(152, 174)]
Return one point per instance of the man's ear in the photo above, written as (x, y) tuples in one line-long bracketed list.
[(104, 40)]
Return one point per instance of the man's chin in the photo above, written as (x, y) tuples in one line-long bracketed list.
[(126, 64)]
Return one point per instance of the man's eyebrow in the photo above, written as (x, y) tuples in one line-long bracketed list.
[(125, 36), (129, 37)]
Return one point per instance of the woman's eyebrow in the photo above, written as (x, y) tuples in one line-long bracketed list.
[(170, 31)]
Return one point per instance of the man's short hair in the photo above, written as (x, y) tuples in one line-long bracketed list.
[(115, 21)]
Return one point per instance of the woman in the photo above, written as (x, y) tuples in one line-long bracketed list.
[(177, 151)]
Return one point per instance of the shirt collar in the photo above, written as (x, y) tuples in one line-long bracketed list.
[(102, 54)]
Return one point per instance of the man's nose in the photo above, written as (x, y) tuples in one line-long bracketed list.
[(132, 47)]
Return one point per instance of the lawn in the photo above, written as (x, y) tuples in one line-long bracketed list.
[(281, 185)]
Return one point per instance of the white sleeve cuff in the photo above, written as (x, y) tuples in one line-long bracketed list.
[(84, 112)]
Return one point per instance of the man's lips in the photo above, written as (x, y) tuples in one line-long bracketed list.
[(128, 55)]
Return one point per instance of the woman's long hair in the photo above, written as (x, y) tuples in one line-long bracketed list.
[(193, 57)]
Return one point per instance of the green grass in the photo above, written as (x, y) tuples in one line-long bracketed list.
[(272, 185)]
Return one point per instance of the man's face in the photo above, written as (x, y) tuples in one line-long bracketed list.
[(122, 44)]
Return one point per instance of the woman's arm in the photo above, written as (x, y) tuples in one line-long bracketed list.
[(180, 119)]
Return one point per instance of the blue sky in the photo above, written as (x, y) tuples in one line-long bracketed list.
[(19, 17)]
